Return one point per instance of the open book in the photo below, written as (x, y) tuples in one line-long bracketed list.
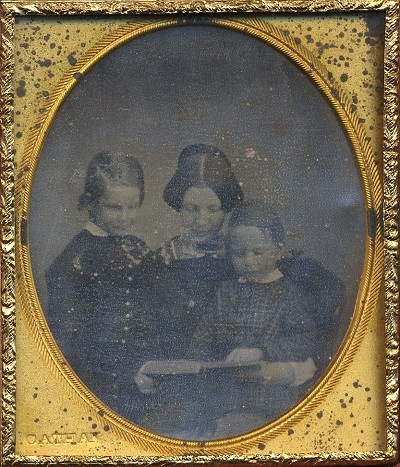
[(160, 368)]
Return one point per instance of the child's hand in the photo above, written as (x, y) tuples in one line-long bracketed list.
[(269, 374), (287, 373), (245, 354), (276, 373), (303, 371), (145, 384)]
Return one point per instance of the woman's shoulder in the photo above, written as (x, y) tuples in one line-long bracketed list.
[(309, 274)]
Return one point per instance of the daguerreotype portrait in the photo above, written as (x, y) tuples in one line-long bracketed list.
[(205, 232)]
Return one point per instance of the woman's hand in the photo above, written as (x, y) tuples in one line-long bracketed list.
[(245, 354)]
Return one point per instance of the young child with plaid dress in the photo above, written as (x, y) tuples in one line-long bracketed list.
[(262, 324)]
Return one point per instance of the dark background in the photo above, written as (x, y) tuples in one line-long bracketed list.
[(203, 84)]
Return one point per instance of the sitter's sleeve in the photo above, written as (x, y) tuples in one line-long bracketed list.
[(295, 336)]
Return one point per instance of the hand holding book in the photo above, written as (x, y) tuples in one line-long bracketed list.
[(243, 363)]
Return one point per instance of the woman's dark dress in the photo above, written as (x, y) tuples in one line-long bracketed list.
[(192, 274)]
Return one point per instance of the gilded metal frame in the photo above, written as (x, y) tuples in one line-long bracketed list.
[(14, 216)]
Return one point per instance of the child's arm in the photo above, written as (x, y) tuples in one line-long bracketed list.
[(206, 339), (295, 338), (283, 373), (245, 354), (65, 303)]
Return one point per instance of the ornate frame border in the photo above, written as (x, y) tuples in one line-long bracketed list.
[(11, 9)]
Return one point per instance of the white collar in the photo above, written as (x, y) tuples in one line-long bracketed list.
[(95, 230)]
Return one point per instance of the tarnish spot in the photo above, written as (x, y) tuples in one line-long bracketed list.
[(71, 59), (22, 172), (24, 231), (193, 20), (372, 222), (46, 63), (335, 94), (21, 90)]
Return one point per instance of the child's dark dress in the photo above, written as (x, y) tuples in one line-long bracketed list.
[(272, 317), (101, 314), (195, 271)]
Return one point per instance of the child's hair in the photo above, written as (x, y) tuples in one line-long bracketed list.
[(110, 169), (261, 215), (201, 165)]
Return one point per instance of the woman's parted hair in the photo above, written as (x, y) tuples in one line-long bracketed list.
[(201, 165), (110, 169), (261, 215)]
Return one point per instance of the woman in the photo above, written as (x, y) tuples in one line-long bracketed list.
[(203, 191)]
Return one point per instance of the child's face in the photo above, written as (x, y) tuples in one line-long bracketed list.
[(253, 252), (201, 212), (117, 209)]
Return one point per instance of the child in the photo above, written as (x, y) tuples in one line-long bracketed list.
[(98, 309), (262, 320)]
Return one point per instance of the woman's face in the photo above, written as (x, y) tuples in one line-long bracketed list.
[(201, 213), (117, 209)]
